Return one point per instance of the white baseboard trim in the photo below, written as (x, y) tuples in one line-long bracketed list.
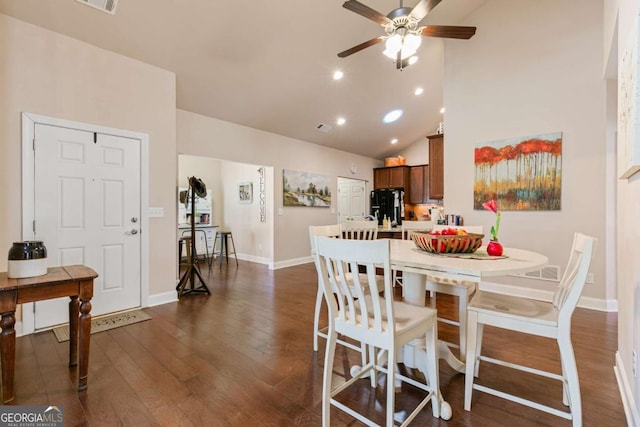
[(291, 262), (252, 258), (19, 329), (163, 298), (630, 409), (539, 294)]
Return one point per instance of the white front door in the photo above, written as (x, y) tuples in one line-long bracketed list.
[(352, 200), (87, 211)]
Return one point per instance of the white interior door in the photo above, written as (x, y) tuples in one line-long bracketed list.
[(87, 211), (352, 200)]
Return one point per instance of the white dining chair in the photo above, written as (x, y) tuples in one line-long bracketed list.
[(462, 289), (546, 319), (335, 232), (360, 230), (383, 324), (407, 228)]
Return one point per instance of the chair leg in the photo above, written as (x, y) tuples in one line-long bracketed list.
[(391, 386), (471, 358), (566, 399), (479, 334), (234, 250), (433, 374), (462, 325), (373, 375), (326, 377), (570, 372), (316, 318)]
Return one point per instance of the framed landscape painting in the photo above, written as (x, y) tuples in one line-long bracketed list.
[(306, 189), (520, 173)]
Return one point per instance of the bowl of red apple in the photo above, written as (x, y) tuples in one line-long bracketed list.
[(448, 241)]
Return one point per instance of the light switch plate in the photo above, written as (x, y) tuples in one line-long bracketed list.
[(156, 212)]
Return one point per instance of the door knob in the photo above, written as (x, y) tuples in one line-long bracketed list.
[(134, 219), (134, 231)]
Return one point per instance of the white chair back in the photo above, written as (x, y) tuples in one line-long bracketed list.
[(333, 230), (409, 227), (360, 230), (351, 311), (476, 229), (572, 283)]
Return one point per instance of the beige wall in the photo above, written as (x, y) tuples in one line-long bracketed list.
[(204, 136), (628, 227), (45, 73), (417, 153), (532, 69)]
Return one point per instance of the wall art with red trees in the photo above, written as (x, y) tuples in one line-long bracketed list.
[(520, 173)]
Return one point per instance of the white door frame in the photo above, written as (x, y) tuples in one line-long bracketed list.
[(28, 195)]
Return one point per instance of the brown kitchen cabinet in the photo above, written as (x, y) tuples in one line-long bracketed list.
[(436, 167), (418, 185), (391, 177)]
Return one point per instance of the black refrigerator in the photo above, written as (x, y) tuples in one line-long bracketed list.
[(389, 202)]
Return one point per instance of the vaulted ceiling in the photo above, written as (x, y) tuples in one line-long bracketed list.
[(269, 64)]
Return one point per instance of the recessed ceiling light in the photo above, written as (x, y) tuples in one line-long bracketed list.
[(341, 121), (418, 91), (338, 75), (392, 116), (394, 141), (442, 110)]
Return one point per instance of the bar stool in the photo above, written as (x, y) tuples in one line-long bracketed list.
[(183, 241), (186, 234), (224, 236)]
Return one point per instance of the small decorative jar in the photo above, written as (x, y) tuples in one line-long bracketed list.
[(27, 259)]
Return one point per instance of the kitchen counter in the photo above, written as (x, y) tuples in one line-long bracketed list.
[(391, 233), (188, 226)]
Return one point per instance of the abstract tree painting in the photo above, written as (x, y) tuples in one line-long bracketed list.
[(520, 173)]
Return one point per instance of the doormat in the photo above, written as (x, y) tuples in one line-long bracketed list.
[(104, 323)]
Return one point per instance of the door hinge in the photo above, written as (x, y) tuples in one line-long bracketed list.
[(33, 145), (95, 137), (34, 227)]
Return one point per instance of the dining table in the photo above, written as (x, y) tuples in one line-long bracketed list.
[(416, 265)]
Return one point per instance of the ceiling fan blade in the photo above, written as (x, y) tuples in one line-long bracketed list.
[(366, 11), (448, 31), (423, 8), (361, 46)]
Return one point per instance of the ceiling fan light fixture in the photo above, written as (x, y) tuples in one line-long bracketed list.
[(407, 44), (393, 45)]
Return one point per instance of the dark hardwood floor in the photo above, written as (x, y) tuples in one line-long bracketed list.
[(244, 357)]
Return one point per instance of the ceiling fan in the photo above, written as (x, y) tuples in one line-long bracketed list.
[(403, 33)]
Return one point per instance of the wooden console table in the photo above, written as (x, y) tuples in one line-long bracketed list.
[(76, 282)]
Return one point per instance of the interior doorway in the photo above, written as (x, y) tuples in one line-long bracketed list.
[(352, 199), (249, 216)]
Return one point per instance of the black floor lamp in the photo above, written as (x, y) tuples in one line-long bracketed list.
[(197, 188)]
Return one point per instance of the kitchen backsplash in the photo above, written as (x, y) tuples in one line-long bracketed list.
[(419, 212)]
